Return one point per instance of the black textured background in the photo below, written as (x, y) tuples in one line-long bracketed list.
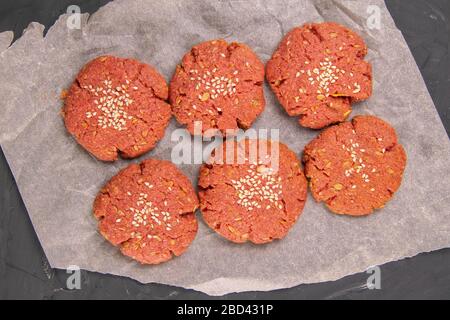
[(24, 270)]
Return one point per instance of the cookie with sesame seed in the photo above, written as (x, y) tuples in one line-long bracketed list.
[(318, 71), (253, 190), (355, 167), (148, 211), (220, 85), (117, 106)]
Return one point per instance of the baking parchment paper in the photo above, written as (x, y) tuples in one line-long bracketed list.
[(58, 180)]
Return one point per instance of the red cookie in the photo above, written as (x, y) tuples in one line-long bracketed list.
[(318, 71), (219, 84), (256, 199), (355, 167), (117, 106), (147, 210)]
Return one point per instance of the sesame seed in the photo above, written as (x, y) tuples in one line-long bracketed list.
[(111, 105), (146, 209), (258, 186), (358, 162), (213, 86), (326, 74)]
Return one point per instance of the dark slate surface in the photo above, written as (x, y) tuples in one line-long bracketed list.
[(24, 270)]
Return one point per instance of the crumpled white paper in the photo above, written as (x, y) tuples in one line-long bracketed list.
[(58, 180)]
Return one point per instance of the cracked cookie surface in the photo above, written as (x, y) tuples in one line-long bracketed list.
[(318, 71), (116, 107), (257, 196), (219, 84), (148, 210), (355, 167)]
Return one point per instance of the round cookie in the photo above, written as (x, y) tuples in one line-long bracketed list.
[(318, 71), (117, 106), (257, 196), (219, 84), (147, 210), (355, 167)]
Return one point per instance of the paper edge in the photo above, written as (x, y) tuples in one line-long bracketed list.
[(6, 39), (257, 285)]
